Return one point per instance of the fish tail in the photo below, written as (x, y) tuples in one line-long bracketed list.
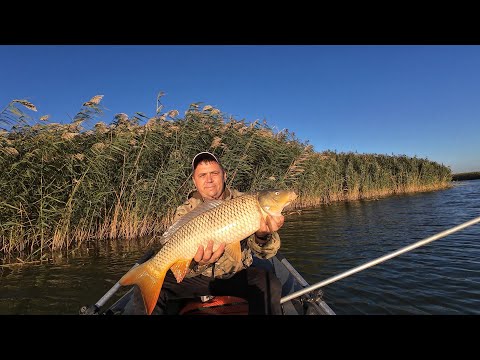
[(149, 281)]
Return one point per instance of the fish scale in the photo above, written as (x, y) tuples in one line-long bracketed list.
[(232, 221)]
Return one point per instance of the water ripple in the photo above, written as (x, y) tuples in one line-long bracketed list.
[(441, 277)]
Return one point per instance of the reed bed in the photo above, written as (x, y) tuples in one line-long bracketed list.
[(466, 176), (65, 184)]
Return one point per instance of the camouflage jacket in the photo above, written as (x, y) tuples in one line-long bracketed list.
[(225, 266)]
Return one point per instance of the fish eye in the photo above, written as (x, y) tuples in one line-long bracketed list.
[(277, 192)]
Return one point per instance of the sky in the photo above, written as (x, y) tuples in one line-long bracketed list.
[(419, 100)]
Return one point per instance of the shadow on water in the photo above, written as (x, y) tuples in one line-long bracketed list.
[(442, 277)]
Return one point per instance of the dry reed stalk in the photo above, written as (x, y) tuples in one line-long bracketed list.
[(93, 101), (69, 135), (26, 103), (11, 151), (216, 142)]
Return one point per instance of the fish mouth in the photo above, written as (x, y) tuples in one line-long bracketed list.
[(292, 196)]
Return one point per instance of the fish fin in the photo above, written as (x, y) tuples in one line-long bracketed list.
[(180, 269), (200, 209), (149, 282), (234, 250)]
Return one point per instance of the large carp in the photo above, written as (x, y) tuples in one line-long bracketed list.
[(221, 221)]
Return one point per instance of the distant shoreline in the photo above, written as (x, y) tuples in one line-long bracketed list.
[(466, 176)]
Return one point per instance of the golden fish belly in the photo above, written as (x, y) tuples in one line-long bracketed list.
[(231, 221)]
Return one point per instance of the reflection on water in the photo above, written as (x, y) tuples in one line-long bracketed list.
[(67, 284), (442, 277)]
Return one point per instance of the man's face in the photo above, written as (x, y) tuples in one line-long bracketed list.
[(209, 178)]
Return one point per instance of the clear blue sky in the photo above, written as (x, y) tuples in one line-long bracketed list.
[(417, 100)]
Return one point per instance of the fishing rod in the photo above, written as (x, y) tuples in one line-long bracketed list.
[(94, 309), (379, 260)]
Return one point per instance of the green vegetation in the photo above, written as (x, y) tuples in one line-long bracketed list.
[(64, 184), (466, 176)]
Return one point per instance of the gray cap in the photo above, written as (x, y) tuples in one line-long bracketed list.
[(204, 155)]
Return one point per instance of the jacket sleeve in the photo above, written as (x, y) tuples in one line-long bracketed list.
[(267, 250), (183, 209), (196, 269)]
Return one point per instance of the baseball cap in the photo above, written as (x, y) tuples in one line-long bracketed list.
[(204, 155)]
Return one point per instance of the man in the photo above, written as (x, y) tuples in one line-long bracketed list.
[(215, 272)]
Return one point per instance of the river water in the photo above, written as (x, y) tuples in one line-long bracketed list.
[(440, 278)]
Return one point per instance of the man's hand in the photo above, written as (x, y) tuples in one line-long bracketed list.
[(207, 256), (270, 225)]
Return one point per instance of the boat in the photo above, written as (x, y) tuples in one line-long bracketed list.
[(310, 303)]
